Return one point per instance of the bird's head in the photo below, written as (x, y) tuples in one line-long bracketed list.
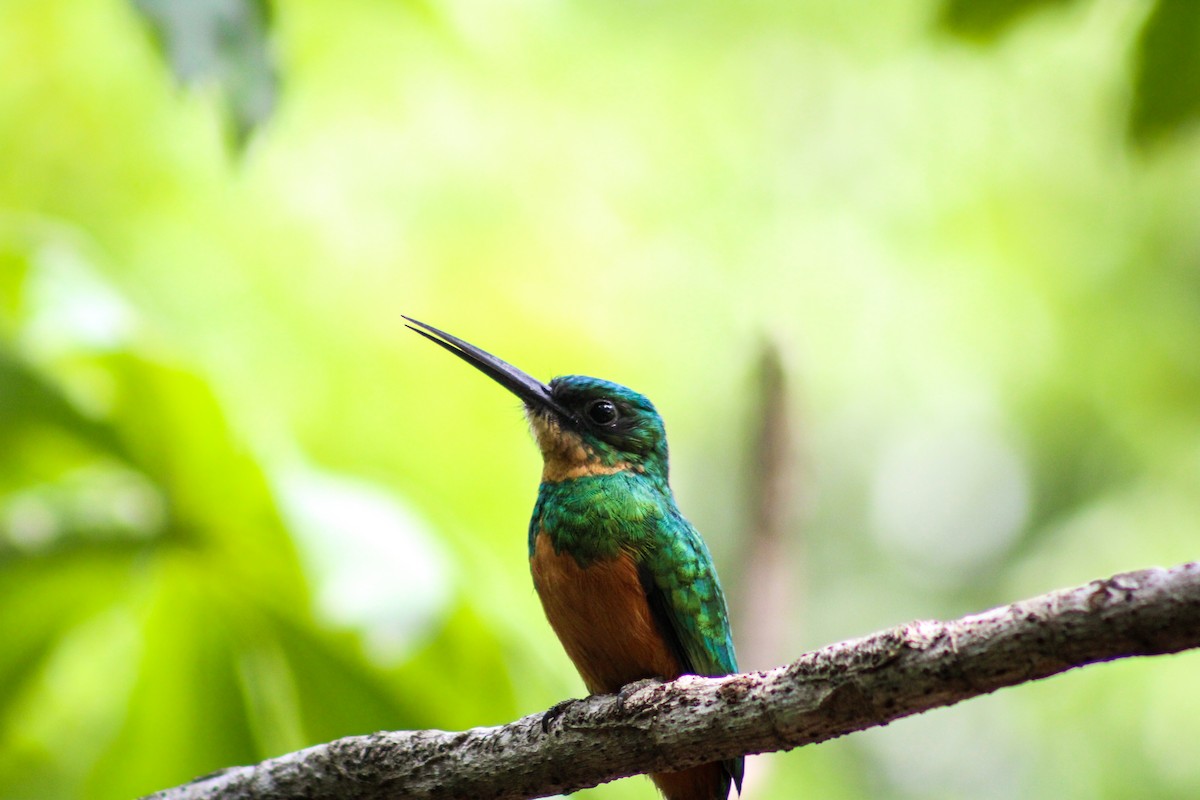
[(608, 428), (583, 426)]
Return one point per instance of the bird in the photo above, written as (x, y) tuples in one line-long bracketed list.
[(626, 582)]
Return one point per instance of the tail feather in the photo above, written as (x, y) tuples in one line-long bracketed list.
[(735, 768)]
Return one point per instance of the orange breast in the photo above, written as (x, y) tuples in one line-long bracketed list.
[(602, 618)]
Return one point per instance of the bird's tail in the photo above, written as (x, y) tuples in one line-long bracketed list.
[(705, 782)]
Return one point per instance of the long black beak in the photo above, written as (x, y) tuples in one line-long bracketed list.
[(533, 392)]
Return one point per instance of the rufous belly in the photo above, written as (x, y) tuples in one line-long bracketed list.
[(602, 618)]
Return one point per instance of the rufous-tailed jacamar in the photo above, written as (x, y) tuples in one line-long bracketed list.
[(626, 582)]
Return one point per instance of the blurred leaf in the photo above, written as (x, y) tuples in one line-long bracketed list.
[(59, 667), (28, 400), (462, 675), (186, 715), (337, 692), (217, 495), (1076, 457), (232, 666), (986, 20), (14, 264), (1167, 73), (41, 599), (222, 41)]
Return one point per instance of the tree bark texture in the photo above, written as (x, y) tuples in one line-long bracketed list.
[(831, 692)]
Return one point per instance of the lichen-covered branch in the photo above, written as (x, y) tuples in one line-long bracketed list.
[(836, 690)]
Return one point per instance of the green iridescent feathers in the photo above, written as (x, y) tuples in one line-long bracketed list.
[(598, 517), (682, 570)]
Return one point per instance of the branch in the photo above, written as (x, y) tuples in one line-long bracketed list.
[(833, 691)]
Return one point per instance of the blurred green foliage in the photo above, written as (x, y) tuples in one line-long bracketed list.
[(984, 20), (242, 510), (1166, 55)]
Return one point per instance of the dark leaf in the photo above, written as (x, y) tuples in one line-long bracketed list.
[(1166, 89), (986, 20), (222, 41), (29, 401)]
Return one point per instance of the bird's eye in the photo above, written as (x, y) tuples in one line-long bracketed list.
[(601, 412)]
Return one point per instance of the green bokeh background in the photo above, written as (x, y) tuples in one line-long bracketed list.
[(243, 510)]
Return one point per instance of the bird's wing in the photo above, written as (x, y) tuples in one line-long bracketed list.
[(685, 598)]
